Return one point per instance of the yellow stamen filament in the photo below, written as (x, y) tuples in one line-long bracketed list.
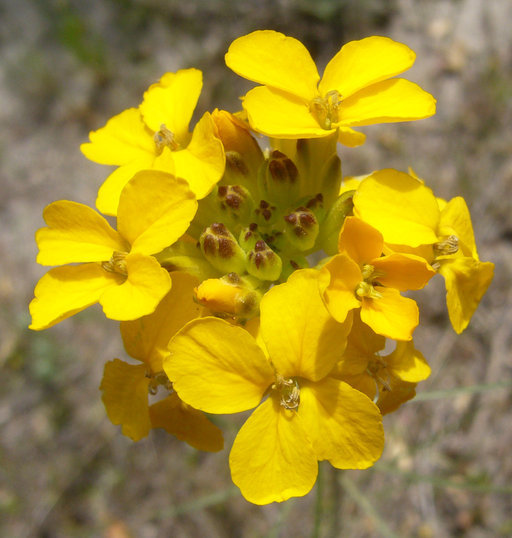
[(289, 391), (116, 264), (365, 289), (164, 138), (448, 245), (325, 109)]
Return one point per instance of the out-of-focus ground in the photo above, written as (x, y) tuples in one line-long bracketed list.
[(65, 68)]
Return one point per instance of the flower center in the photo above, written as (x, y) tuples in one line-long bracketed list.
[(289, 391), (116, 264), (325, 109), (159, 379), (365, 287), (448, 245), (165, 138)]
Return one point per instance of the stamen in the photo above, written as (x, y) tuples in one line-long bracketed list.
[(448, 245), (325, 109), (289, 390), (365, 289), (116, 264), (164, 138)]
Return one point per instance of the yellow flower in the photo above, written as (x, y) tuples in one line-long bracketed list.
[(156, 136), (308, 414), (116, 268), (355, 90), (359, 277), (408, 214), (126, 386), (389, 380)]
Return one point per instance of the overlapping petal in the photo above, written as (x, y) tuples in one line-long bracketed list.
[(186, 423), (299, 333), (408, 363), (344, 426), (155, 209), (272, 458), (145, 286), (125, 395), (367, 61), (217, 367), (66, 290), (391, 314), (273, 59), (402, 271), (76, 233), (360, 241)]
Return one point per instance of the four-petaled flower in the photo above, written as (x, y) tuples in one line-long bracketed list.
[(307, 415), (355, 90)]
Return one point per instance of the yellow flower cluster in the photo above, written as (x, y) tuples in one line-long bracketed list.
[(260, 279)]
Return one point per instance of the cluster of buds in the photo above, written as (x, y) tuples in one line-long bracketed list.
[(248, 277)]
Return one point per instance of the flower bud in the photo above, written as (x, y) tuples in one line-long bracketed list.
[(221, 249), (301, 228), (230, 295), (249, 236), (263, 262), (235, 203), (281, 180), (331, 226)]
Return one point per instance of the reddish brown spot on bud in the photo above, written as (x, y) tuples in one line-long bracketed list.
[(291, 218), (209, 244), (264, 205), (306, 219), (233, 201), (234, 278), (222, 190), (219, 228), (260, 245), (253, 226), (266, 214), (295, 265), (225, 248), (235, 162), (259, 258)]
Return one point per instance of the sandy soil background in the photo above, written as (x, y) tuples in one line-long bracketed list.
[(65, 68)]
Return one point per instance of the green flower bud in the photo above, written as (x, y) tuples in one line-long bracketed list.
[(331, 226), (235, 203), (281, 180), (249, 236), (263, 262), (221, 249), (301, 228)]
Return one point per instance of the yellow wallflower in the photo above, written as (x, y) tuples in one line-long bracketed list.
[(156, 136), (390, 379), (407, 213), (126, 386), (359, 277), (355, 90), (308, 414), (116, 268)]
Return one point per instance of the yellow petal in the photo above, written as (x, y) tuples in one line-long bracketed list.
[(344, 426), (147, 338), (343, 276), (146, 285), (280, 115), (155, 210), (122, 140), (366, 61), (202, 163), (217, 367), (64, 291), (391, 315), (401, 207), (272, 458), (456, 220), (361, 241), (172, 103), (107, 200), (391, 400), (186, 423), (301, 336), (407, 363), (125, 396), (387, 101), (76, 233), (402, 271), (349, 137), (275, 60), (466, 282)]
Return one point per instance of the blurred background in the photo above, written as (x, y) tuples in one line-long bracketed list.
[(65, 470)]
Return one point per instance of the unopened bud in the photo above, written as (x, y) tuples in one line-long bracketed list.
[(235, 202), (221, 249), (331, 226), (301, 228), (263, 262), (281, 179), (249, 236), (230, 295)]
